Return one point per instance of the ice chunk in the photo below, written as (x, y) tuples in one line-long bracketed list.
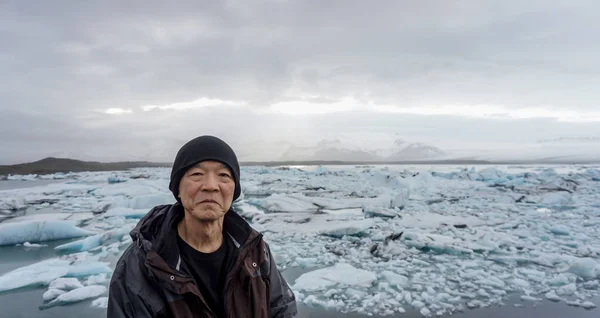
[(562, 279), (27, 244), (126, 212), (13, 204), (586, 268), (96, 279), (560, 230), (90, 242), (52, 293), (340, 273), (116, 179), (87, 268), (76, 295), (567, 290), (284, 203), (101, 302), (395, 279), (556, 198), (588, 305), (37, 274), (355, 227), (149, 201), (39, 231), (435, 242), (65, 283), (425, 312), (551, 295), (530, 298)]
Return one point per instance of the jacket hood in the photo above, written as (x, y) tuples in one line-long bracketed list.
[(157, 230)]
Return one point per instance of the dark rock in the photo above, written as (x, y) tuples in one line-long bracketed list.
[(42, 201), (393, 237), (460, 226)]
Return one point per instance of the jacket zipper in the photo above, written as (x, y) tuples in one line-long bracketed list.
[(236, 268)]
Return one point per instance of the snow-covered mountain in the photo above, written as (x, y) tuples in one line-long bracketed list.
[(336, 150)]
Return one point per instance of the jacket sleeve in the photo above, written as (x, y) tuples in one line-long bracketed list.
[(123, 299), (282, 298)]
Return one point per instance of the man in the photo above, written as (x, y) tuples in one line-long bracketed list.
[(198, 257)]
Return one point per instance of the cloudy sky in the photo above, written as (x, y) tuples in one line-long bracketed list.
[(134, 80)]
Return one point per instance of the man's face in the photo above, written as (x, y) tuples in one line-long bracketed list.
[(206, 190)]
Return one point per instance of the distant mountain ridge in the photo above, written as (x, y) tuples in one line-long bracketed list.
[(335, 150), (569, 139), (53, 165)]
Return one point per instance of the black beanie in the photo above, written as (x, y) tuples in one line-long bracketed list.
[(200, 149)]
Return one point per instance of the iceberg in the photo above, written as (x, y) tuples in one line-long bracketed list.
[(354, 227), (126, 212), (586, 268), (101, 302), (149, 201), (38, 274), (65, 283), (39, 231), (284, 203), (52, 293), (76, 295), (339, 274), (91, 242)]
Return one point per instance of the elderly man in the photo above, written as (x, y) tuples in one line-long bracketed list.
[(198, 257)]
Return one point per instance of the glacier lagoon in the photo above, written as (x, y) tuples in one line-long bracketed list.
[(380, 240)]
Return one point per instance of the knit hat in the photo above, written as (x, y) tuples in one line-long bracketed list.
[(200, 149)]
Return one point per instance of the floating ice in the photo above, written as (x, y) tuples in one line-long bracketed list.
[(463, 238), (284, 203), (126, 212), (339, 274), (91, 242), (149, 201), (101, 302), (52, 293), (76, 295), (65, 283), (395, 279), (348, 228), (39, 231), (551, 295), (585, 268), (37, 274)]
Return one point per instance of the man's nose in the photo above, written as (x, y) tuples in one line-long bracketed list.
[(210, 183)]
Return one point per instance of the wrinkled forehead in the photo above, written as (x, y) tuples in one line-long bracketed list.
[(210, 165)]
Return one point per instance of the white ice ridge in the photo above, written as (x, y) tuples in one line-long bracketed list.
[(376, 240), (39, 231), (47, 271)]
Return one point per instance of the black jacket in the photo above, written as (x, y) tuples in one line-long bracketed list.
[(149, 280)]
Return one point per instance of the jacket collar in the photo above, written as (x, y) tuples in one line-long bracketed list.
[(157, 231)]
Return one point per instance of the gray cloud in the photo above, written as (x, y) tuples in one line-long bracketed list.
[(63, 62)]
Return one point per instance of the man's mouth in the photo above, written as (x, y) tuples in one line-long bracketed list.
[(209, 201)]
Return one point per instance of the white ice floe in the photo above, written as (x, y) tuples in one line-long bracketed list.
[(91, 242), (65, 283), (44, 272), (101, 302), (39, 231), (348, 228), (76, 295), (340, 274)]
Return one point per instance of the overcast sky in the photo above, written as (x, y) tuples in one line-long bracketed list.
[(134, 80)]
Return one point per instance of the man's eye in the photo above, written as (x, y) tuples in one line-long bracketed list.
[(196, 173), (224, 175)]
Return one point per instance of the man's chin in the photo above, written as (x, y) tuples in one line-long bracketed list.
[(207, 215)]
